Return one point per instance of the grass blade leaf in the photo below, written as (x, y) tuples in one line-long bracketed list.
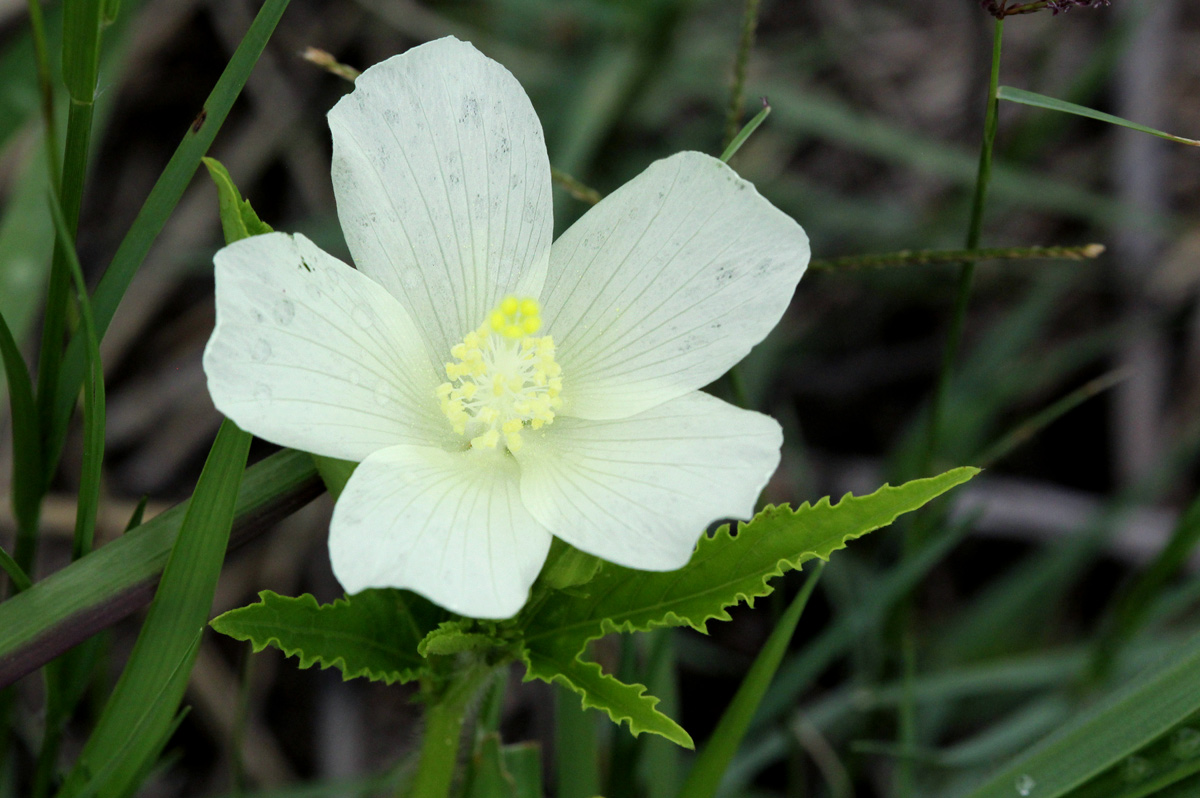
[(1051, 104)]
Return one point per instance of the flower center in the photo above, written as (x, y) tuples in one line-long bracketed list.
[(503, 379)]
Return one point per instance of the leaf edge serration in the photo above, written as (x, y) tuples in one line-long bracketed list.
[(560, 676), (401, 675)]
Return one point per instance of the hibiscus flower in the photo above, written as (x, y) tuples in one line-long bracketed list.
[(497, 390)]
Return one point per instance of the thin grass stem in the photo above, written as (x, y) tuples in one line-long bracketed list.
[(733, 116), (925, 257), (574, 187), (967, 270), (914, 532)]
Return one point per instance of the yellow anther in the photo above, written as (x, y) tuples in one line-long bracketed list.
[(503, 379), (487, 440)]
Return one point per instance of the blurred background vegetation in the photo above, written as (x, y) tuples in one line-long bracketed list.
[(1026, 607)]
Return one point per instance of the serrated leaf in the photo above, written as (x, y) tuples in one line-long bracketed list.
[(727, 569), (374, 633), (552, 661), (238, 219), (453, 637)]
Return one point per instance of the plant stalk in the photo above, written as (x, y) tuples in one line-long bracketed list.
[(966, 272), (444, 717), (913, 537)]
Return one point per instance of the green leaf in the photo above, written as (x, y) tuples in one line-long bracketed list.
[(456, 637), (99, 589), (1127, 720), (238, 219), (334, 473), (556, 663), (144, 703), (724, 570), (714, 758), (727, 569), (1051, 104), (567, 567), (374, 633)]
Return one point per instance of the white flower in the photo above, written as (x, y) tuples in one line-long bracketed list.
[(495, 389)]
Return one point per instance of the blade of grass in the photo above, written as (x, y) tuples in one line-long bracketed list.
[(1134, 603), (576, 753), (155, 211), (148, 693), (67, 677), (1026, 430), (27, 453), (1124, 721), (799, 672), (714, 757), (16, 574), (1051, 104), (93, 397), (118, 578), (746, 132), (661, 763), (82, 25)]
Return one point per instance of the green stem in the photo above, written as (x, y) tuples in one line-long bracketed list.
[(444, 716), (733, 117), (575, 188), (913, 533), (967, 270), (923, 257)]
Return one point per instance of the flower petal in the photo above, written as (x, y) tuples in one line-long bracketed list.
[(443, 185), (449, 525), (309, 353), (639, 491), (666, 284)]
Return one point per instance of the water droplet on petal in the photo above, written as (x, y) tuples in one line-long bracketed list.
[(383, 394), (1185, 743), (1025, 784), (262, 392), (260, 350), (355, 378), (362, 317), (314, 292), (285, 311)]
